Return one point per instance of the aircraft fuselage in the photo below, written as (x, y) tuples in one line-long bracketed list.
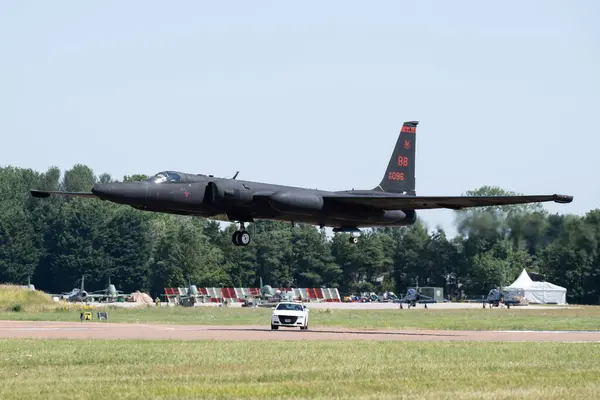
[(247, 201)]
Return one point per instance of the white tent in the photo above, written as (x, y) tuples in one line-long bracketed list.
[(539, 292)]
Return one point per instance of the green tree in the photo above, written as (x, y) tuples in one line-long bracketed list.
[(80, 178), (311, 261), (135, 178)]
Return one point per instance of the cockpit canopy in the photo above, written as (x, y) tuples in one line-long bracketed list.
[(175, 177), (166, 176)]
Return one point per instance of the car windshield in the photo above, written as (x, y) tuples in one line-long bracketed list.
[(290, 307), (166, 176)]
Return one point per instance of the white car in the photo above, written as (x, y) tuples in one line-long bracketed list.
[(289, 314)]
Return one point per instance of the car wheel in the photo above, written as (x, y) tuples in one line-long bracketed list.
[(274, 327)]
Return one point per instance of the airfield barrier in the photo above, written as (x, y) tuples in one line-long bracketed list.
[(172, 295), (218, 295)]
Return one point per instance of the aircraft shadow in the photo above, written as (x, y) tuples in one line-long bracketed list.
[(292, 331)]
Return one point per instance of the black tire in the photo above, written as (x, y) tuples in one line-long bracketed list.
[(243, 238)]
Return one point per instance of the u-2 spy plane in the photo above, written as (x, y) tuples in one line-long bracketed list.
[(393, 202)]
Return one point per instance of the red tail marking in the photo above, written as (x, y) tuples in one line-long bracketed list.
[(396, 176), (409, 129), (403, 161)]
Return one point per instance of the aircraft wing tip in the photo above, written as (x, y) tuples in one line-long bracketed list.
[(40, 194), (562, 198)]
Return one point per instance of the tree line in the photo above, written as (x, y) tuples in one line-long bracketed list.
[(57, 240)]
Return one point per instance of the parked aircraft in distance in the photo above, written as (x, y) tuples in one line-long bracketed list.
[(413, 297), (393, 202), (81, 295)]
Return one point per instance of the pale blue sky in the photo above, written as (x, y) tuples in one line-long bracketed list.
[(309, 94)]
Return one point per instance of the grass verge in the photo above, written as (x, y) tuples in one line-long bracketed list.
[(16, 299), (580, 318), (316, 370)]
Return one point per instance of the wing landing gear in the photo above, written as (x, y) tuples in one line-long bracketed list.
[(354, 233), (241, 237)]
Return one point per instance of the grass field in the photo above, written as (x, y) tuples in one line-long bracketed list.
[(580, 318), (257, 370)]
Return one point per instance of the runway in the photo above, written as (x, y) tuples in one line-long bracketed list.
[(114, 331)]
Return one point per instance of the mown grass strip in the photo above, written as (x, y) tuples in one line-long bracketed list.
[(579, 318), (313, 370)]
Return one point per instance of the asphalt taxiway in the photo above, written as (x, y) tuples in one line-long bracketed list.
[(106, 330)]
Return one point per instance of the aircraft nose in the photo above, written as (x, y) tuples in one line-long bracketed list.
[(125, 193), (101, 189), (105, 191)]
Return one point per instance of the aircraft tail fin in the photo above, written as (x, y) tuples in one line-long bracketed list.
[(400, 173)]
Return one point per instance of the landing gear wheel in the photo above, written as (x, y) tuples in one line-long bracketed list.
[(243, 238), (353, 240)]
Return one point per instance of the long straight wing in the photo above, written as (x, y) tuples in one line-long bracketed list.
[(451, 202), (44, 193)]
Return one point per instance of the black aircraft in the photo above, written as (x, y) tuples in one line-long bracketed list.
[(413, 297), (497, 296), (392, 203)]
